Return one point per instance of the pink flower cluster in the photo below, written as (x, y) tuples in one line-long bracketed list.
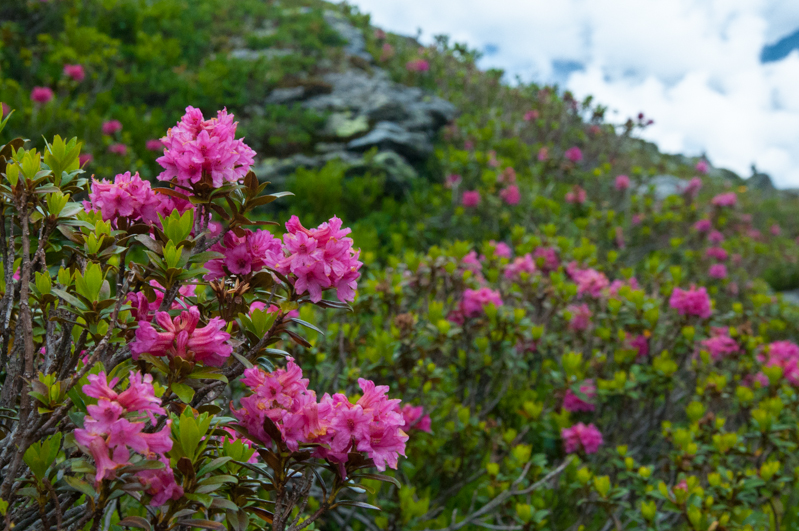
[(474, 302), (41, 95), (589, 281), (196, 148), (717, 253), (546, 258), (320, 258), (622, 183), (573, 403), (114, 426), (372, 425), (580, 317), (75, 72), (415, 419), (728, 199), (718, 271), (471, 198), (576, 196), (786, 355), (573, 154), (703, 225), (245, 254), (720, 345), (693, 301), (112, 126), (511, 195), (182, 338), (129, 196), (522, 264), (580, 436), (417, 65)]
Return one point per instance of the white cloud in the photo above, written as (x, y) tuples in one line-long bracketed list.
[(691, 65)]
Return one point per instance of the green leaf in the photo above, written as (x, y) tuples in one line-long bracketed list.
[(135, 521), (204, 499), (213, 465), (184, 392)]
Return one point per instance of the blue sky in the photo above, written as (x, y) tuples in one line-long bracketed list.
[(693, 66)]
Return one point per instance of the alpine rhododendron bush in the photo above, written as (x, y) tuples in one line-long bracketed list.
[(551, 326)]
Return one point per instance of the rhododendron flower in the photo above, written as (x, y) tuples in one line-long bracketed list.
[(84, 159), (522, 264), (75, 72), (154, 145), (622, 182), (641, 344), (775, 230), (717, 271), (160, 484), (386, 52), (131, 197), (112, 126), (581, 436), (725, 200), (546, 259), (417, 65), (511, 195), (783, 354), (616, 285), (273, 308), (715, 237), (197, 148), (471, 198), (637, 219), (415, 419), (576, 196), (695, 302), (320, 258), (716, 253), (702, 166), (589, 281), (531, 115), (474, 301), (580, 317), (118, 149), (501, 249), (181, 337), (692, 188), (543, 154), (574, 154), (144, 310), (573, 403), (245, 254), (111, 428), (703, 225), (508, 176), (471, 262), (41, 95), (720, 346), (372, 425)]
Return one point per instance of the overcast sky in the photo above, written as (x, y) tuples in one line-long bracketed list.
[(693, 66)]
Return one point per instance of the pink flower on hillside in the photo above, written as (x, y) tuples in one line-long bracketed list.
[(75, 72), (522, 264), (198, 149), (703, 225), (720, 346), (415, 419), (543, 154), (573, 403), (273, 308), (471, 198), (42, 95), (775, 230), (529, 116), (475, 301), (417, 65), (580, 317), (702, 166), (511, 195), (183, 338), (717, 253), (616, 285), (129, 196), (546, 259), (715, 237), (576, 196), (693, 302), (154, 145), (386, 52), (160, 484), (118, 149), (320, 258), (640, 343), (637, 219), (144, 310), (589, 281), (85, 159), (786, 355), (718, 271), (112, 126), (692, 188), (574, 154), (501, 249), (622, 183), (580, 436), (725, 200)]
